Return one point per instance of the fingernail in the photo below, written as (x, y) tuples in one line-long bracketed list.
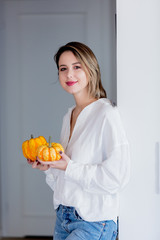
[(60, 152)]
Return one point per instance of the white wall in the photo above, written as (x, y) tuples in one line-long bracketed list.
[(138, 86)]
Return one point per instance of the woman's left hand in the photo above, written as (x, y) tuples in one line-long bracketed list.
[(62, 163)]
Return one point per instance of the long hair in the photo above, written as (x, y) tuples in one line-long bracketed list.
[(88, 60)]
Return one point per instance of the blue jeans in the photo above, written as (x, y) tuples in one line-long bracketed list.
[(70, 226)]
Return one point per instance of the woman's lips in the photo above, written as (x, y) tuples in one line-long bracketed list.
[(70, 83)]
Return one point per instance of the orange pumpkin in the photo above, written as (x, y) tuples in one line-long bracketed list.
[(50, 151), (29, 147)]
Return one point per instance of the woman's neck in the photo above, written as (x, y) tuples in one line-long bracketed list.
[(82, 101)]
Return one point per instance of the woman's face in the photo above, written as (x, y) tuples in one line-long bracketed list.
[(72, 76)]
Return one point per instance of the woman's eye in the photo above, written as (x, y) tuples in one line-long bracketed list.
[(77, 67), (62, 69)]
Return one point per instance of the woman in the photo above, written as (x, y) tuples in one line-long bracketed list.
[(95, 166)]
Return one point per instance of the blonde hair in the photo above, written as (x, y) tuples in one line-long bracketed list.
[(88, 60)]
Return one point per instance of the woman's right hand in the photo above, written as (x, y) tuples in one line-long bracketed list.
[(38, 165)]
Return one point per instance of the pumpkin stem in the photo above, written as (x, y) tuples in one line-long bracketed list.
[(50, 142), (31, 135)]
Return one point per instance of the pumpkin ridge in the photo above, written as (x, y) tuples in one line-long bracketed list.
[(31, 148), (49, 154), (28, 151), (24, 149)]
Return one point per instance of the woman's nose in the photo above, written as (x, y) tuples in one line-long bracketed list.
[(70, 74)]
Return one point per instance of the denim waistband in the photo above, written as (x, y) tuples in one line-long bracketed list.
[(67, 208)]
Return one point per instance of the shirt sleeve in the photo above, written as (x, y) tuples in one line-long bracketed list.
[(51, 177), (112, 174)]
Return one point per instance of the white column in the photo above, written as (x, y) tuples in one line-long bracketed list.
[(138, 98)]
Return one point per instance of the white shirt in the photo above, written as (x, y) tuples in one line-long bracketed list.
[(99, 165)]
